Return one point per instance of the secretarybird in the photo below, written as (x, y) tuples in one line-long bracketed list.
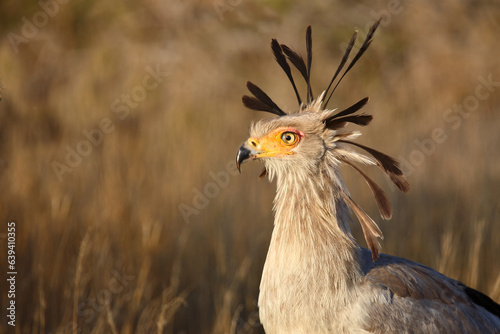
[(316, 279)]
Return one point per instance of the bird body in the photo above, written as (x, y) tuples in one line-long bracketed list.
[(316, 278)]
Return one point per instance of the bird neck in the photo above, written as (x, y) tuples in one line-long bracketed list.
[(311, 236)]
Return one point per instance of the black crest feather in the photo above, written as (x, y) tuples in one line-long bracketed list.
[(364, 47), (341, 65), (351, 110), (253, 103), (261, 101), (338, 123), (340, 119), (309, 61), (298, 62), (281, 60)]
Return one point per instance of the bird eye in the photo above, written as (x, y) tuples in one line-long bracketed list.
[(289, 138)]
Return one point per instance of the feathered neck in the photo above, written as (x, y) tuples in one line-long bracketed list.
[(312, 255), (312, 223), (311, 205)]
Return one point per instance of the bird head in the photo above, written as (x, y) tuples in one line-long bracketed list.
[(313, 139), (291, 142)]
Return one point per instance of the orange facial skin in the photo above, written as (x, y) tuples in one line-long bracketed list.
[(279, 142)]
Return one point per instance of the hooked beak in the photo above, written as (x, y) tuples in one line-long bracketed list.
[(243, 155)]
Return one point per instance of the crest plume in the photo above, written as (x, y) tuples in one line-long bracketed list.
[(261, 101), (298, 62), (309, 62), (366, 44), (341, 65), (281, 59)]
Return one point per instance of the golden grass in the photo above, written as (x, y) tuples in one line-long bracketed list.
[(107, 249)]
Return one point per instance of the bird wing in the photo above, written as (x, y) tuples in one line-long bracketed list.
[(421, 300)]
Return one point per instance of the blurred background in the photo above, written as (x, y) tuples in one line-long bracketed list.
[(120, 122)]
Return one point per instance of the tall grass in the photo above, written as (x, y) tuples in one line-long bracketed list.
[(105, 247)]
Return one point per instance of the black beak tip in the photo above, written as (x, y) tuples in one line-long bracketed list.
[(242, 156)]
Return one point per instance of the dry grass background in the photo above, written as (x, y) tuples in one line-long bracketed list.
[(107, 250)]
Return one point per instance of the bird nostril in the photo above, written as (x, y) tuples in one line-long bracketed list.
[(253, 143)]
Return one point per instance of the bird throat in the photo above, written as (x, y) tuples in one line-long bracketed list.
[(312, 252)]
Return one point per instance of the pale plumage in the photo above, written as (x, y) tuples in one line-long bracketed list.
[(316, 278)]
